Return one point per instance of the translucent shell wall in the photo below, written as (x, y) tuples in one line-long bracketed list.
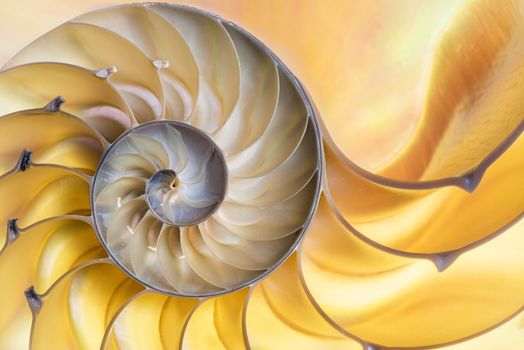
[(166, 185)]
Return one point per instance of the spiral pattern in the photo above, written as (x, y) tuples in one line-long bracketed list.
[(259, 132), (193, 155), (155, 194)]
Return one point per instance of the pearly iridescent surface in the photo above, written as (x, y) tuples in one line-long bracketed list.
[(179, 171), (418, 94), (217, 174)]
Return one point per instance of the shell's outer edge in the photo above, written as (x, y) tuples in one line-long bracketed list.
[(312, 120)]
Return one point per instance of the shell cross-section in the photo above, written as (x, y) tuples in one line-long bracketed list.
[(212, 168)]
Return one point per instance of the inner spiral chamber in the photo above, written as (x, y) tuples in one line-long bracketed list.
[(185, 173)]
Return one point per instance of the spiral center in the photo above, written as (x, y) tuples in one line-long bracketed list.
[(167, 198), (159, 186), (177, 170)]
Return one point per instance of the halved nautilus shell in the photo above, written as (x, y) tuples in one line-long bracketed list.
[(165, 184), (218, 172)]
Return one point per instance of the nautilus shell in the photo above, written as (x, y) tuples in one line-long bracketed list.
[(169, 183)]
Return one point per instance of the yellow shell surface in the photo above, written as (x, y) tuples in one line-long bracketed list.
[(418, 236)]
